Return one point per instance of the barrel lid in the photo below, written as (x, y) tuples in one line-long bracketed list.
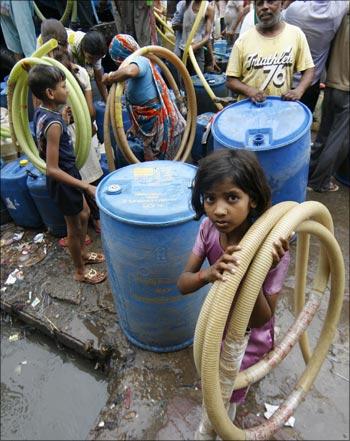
[(212, 80), (148, 193), (263, 126)]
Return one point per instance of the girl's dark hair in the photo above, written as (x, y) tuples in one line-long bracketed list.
[(42, 77), (52, 28), (244, 171), (94, 43)]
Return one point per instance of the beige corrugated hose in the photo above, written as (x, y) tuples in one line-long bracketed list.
[(308, 218), (114, 116)]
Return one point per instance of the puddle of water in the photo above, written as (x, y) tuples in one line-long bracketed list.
[(46, 393)]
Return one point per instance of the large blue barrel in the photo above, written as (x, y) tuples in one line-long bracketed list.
[(201, 147), (100, 107), (16, 196), (4, 214), (279, 133), (148, 230), (218, 84), (50, 213)]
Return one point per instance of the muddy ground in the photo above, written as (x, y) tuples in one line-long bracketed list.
[(158, 396)]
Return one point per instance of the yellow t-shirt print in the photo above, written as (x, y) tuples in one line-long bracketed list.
[(268, 63)]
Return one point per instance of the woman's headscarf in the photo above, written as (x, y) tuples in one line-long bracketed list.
[(122, 45)]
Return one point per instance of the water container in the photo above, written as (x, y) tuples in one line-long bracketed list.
[(104, 164), (220, 47), (16, 196), (279, 133), (217, 82), (4, 214), (100, 107), (343, 172), (136, 146), (50, 213), (148, 232), (200, 148)]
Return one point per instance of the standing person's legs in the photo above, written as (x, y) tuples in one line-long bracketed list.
[(320, 178), (77, 228), (311, 95)]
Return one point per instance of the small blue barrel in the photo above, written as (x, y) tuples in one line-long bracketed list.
[(201, 147), (279, 133), (100, 107), (16, 196), (50, 213), (220, 47), (217, 82), (148, 230), (343, 172)]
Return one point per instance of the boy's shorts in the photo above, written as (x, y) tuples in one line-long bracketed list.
[(68, 199)]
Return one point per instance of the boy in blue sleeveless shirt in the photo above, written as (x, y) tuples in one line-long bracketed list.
[(64, 183)]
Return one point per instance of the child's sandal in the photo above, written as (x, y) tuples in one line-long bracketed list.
[(93, 277), (93, 257)]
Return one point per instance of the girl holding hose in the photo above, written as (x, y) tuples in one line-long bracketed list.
[(230, 188)]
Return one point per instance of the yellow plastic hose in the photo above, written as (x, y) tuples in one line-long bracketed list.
[(164, 23), (70, 5), (114, 104), (188, 51), (18, 112), (255, 261)]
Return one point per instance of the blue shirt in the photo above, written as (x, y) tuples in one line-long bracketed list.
[(142, 88), (43, 119)]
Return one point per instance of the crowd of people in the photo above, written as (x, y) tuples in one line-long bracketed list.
[(290, 49)]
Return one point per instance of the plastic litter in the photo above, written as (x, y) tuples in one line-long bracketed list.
[(24, 362), (35, 302), (101, 424), (18, 236), (271, 409), (38, 238), (12, 277), (14, 337), (18, 370)]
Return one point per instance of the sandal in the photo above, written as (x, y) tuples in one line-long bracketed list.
[(93, 277), (94, 258), (331, 188), (64, 241)]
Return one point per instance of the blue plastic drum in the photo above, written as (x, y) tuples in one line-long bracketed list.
[(100, 107), (217, 82), (279, 133), (148, 230), (50, 213), (16, 196), (203, 141)]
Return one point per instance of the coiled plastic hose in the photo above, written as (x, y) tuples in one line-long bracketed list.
[(113, 114), (188, 51), (308, 218), (18, 110), (71, 6)]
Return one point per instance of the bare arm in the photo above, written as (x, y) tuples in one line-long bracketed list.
[(101, 87), (122, 74), (52, 169), (194, 278), (209, 20), (237, 86), (298, 92)]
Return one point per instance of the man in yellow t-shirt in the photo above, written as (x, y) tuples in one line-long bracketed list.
[(264, 59)]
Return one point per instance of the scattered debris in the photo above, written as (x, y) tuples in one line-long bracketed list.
[(18, 370), (127, 398), (18, 236), (24, 362), (3, 289), (271, 409), (35, 302), (112, 406), (14, 337), (341, 376), (130, 415), (38, 238), (101, 424), (15, 275)]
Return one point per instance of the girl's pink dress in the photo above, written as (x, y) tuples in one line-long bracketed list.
[(261, 341)]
